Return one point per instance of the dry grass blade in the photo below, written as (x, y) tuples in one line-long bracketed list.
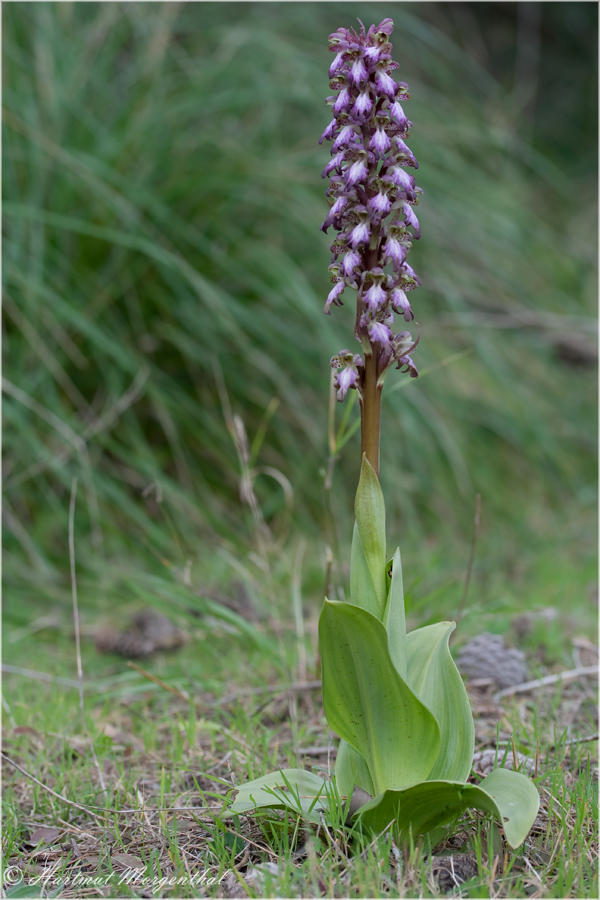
[(158, 681), (77, 631)]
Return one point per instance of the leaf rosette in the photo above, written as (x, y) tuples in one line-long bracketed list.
[(400, 707)]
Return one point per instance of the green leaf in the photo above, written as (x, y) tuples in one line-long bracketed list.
[(509, 796), (433, 676), (362, 587), (394, 618), (516, 799), (369, 509), (296, 789), (351, 771), (367, 702), (25, 890)]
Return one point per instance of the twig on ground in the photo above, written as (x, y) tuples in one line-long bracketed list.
[(571, 741), (269, 689), (90, 810), (329, 750), (569, 675), (85, 809)]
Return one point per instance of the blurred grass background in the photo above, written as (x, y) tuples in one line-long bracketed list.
[(164, 269)]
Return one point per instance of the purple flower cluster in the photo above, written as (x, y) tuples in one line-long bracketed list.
[(371, 196)]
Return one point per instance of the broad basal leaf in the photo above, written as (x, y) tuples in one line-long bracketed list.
[(368, 703), (296, 789), (362, 586), (351, 771), (369, 509), (394, 618), (433, 676), (509, 796)]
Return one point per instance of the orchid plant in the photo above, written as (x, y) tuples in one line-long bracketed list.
[(396, 700)]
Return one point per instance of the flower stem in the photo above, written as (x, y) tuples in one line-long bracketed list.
[(370, 410)]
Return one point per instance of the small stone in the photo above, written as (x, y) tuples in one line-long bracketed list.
[(452, 871), (487, 656)]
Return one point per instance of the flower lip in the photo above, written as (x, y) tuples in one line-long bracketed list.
[(358, 171), (344, 137), (337, 63), (360, 234), (335, 163), (380, 204), (385, 84), (379, 333), (375, 297), (342, 101), (400, 303), (333, 297), (363, 104), (358, 72), (328, 133)]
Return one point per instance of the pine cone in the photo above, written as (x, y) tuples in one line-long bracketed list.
[(487, 656)]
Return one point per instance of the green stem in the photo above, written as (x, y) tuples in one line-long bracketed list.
[(370, 409)]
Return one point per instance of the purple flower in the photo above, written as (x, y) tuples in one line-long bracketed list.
[(329, 131), (338, 206), (379, 333), (400, 303), (333, 296), (342, 101), (386, 85), (334, 163), (380, 204), (360, 234), (398, 114), (351, 262), (358, 171), (358, 71), (380, 142), (411, 219), (362, 105), (404, 155), (372, 54), (347, 378), (346, 135), (410, 366), (350, 376), (375, 297), (411, 274), (401, 178), (369, 182), (336, 64), (335, 211), (394, 250)]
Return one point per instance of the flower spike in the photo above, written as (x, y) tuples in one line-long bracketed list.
[(371, 196)]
